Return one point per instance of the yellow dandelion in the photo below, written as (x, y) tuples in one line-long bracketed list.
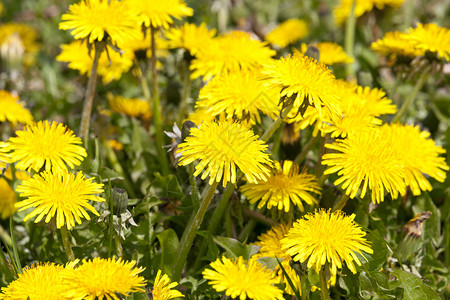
[(59, 193), (332, 53), (421, 156), (302, 77), (220, 147), (288, 32), (240, 95), (162, 288), (16, 38), (160, 13), (190, 37), (115, 144), (325, 237), (5, 155), (7, 199), (141, 46), (97, 20), (130, 106), (395, 44), (342, 11), (41, 144), (430, 37), (39, 281), (271, 247), (243, 279), (103, 278), (229, 53), (111, 64), (370, 159), (286, 185), (12, 110), (199, 116)]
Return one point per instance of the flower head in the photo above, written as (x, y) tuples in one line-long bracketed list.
[(103, 278), (228, 53), (271, 247), (7, 199), (368, 158), (59, 194), (332, 53), (342, 11), (12, 110), (162, 288), (395, 44), (288, 32), (39, 281), (239, 278), (221, 146), (111, 64), (302, 77), (98, 20), (430, 37), (240, 95), (325, 237), (42, 143), (130, 106), (160, 13), (5, 156), (190, 37), (285, 186)]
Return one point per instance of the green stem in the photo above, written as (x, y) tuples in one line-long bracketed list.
[(66, 242), (190, 232), (144, 86), (323, 285), (157, 119), (257, 216), (111, 224), (14, 245), (304, 291), (269, 132), (423, 77), (341, 202), (350, 41), (186, 91), (194, 191), (302, 155), (89, 96), (408, 11)]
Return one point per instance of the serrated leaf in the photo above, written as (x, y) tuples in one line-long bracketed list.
[(414, 288)]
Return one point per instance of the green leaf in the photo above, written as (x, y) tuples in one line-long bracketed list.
[(109, 174), (235, 248), (431, 226), (168, 240), (213, 251), (378, 258), (414, 288)]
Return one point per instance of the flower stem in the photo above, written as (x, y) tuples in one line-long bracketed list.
[(350, 41), (302, 155), (269, 132), (186, 90), (341, 202), (194, 191), (144, 84), (14, 245), (411, 96), (190, 232), (111, 222), (89, 96), (157, 119), (323, 285), (66, 242)]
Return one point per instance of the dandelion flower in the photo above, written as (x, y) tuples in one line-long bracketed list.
[(325, 237), (420, 154), (39, 281), (7, 199), (220, 147), (130, 106), (42, 143), (99, 19), (160, 13), (103, 278), (5, 156), (240, 95), (395, 44), (190, 37), (271, 247), (370, 159), (285, 186), (12, 110), (141, 46), (59, 193), (288, 32), (111, 64), (239, 278), (331, 53), (162, 288), (229, 53), (342, 11), (430, 37), (310, 82)]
